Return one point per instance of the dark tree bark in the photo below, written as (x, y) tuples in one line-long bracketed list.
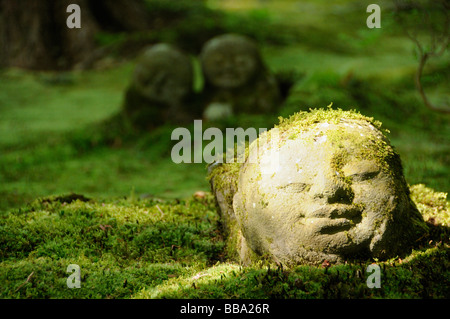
[(34, 34)]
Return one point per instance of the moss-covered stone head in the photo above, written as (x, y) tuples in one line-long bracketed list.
[(230, 61), (163, 74), (325, 184)]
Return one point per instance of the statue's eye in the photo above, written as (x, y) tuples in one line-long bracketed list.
[(364, 176), (295, 187), (360, 171), (217, 59), (242, 61)]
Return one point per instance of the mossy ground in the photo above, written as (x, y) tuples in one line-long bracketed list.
[(121, 246), (131, 248)]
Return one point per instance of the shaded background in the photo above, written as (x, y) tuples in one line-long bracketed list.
[(60, 89)]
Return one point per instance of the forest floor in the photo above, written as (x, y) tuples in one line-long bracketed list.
[(52, 143)]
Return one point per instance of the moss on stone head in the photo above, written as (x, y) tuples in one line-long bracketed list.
[(376, 147), (302, 120)]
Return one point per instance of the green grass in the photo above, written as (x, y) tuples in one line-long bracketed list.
[(58, 135)]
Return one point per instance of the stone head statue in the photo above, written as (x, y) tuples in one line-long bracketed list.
[(230, 61), (163, 74), (235, 75), (325, 185), (161, 89)]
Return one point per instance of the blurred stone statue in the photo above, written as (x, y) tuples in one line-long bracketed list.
[(161, 89), (327, 186), (236, 79)]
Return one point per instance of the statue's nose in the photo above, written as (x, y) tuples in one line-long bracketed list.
[(228, 65), (332, 189)]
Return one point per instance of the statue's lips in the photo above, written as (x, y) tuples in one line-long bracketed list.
[(329, 220), (336, 211), (329, 226), (228, 77)]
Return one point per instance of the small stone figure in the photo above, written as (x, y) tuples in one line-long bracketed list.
[(161, 88), (327, 186), (236, 77)]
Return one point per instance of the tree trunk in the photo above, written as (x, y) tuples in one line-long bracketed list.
[(34, 34)]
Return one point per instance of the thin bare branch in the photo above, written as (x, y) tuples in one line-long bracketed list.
[(438, 46), (428, 104), (27, 281)]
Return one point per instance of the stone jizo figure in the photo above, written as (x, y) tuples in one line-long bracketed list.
[(235, 76), (161, 87), (331, 189)]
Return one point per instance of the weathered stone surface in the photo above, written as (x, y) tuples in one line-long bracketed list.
[(235, 74), (161, 87), (326, 185)]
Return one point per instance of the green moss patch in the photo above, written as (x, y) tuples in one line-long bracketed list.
[(120, 246), (129, 248), (303, 119)]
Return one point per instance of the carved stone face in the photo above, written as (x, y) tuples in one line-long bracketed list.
[(324, 194), (164, 75), (230, 61)]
